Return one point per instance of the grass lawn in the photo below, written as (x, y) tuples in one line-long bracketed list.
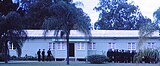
[(72, 63)]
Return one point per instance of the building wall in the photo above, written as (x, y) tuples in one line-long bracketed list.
[(31, 47), (60, 53), (155, 41), (102, 45), (80, 53)]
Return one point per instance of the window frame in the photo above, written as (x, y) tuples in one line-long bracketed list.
[(51, 45), (111, 45), (92, 46), (11, 46), (80, 46), (131, 46), (151, 45), (60, 46)]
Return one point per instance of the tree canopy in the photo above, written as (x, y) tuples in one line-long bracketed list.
[(11, 31), (35, 13), (156, 14), (64, 17), (119, 15), (7, 5)]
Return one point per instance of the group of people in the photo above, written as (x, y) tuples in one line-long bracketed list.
[(41, 55), (120, 56)]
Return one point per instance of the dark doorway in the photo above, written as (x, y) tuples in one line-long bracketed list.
[(71, 49)]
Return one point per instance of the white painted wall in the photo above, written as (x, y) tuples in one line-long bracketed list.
[(102, 45), (31, 47), (81, 53)]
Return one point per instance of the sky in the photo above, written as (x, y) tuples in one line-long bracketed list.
[(147, 7)]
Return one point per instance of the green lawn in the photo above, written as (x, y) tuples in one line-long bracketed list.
[(62, 63)]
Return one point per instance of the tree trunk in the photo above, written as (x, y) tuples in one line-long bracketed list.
[(67, 38), (6, 51)]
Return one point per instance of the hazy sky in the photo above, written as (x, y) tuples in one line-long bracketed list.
[(147, 7)]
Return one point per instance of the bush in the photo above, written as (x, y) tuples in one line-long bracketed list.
[(31, 58), (147, 55), (97, 59), (1, 57)]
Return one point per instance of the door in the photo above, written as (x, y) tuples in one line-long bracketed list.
[(71, 50)]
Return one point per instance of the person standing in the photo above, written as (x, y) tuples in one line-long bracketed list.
[(39, 55), (43, 55), (109, 55), (49, 55)]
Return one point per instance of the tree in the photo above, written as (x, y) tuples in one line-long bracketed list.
[(65, 17), (147, 29), (7, 5), (119, 15), (156, 14), (11, 32), (36, 13)]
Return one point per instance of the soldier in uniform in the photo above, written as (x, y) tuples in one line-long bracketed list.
[(110, 55), (128, 56), (132, 55), (43, 55), (122, 56), (116, 56), (39, 55), (49, 55), (119, 56), (125, 56)]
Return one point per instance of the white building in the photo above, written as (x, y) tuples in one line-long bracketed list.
[(102, 40)]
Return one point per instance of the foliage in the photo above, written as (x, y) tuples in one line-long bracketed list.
[(37, 12), (97, 59), (64, 17), (146, 31), (11, 31), (147, 55), (1, 57), (7, 5), (157, 15), (119, 15)]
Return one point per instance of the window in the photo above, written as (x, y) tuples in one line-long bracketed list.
[(111, 45), (80, 46), (92, 46), (151, 45), (61, 46), (10, 46), (131, 46), (51, 46)]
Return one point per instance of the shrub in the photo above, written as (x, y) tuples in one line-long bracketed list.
[(1, 57), (13, 58), (97, 59), (31, 58), (147, 55)]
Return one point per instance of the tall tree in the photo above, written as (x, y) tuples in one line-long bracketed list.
[(36, 11), (11, 31), (65, 17), (147, 29), (7, 5), (156, 14), (119, 15), (35, 14)]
